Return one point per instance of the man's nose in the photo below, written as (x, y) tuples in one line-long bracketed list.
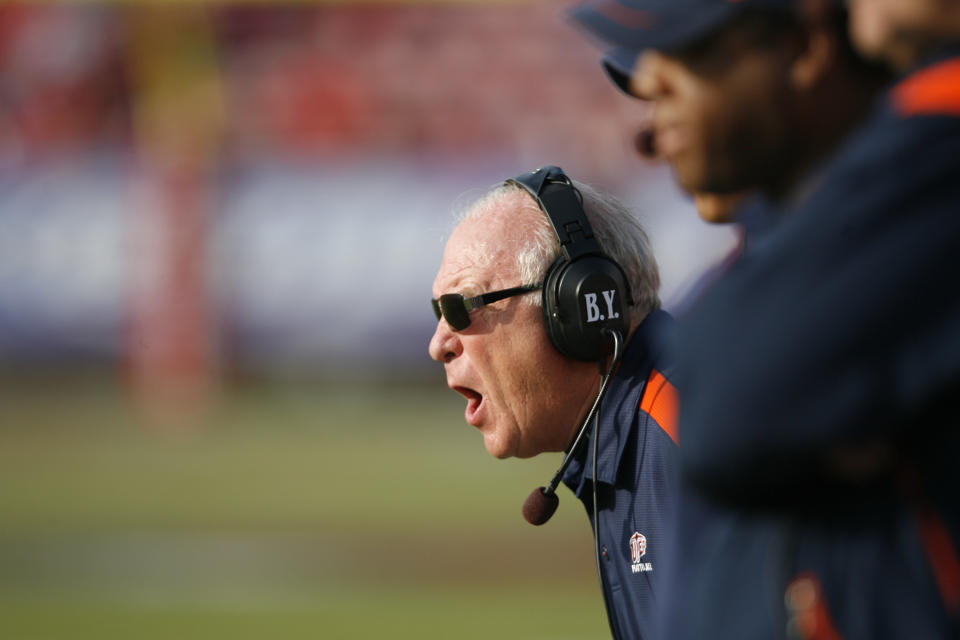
[(445, 344), (647, 81)]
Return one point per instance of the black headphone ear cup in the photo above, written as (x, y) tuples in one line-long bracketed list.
[(584, 292), (580, 299)]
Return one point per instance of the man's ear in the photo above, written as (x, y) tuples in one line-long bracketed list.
[(815, 61), (820, 48)]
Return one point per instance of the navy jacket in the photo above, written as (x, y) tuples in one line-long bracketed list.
[(636, 467), (820, 379)]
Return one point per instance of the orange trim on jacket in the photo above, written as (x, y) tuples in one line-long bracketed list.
[(808, 617), (661, 401), (942, 557), (932, 91)]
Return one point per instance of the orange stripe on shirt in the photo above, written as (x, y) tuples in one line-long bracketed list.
[(942, 557), (660, 400), (933, 91), (808, 617)]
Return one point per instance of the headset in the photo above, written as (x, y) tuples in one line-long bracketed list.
[(586, 294), (586, 300)]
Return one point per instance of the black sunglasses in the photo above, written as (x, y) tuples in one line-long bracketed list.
[(456, 308)]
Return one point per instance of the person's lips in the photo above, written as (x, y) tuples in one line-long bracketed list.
[(474, 411)]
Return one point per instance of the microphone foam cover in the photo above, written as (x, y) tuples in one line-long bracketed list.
[(539, 506)]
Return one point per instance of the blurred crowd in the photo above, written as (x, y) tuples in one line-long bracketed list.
[(282, 142)]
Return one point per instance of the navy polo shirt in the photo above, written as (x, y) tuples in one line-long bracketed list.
[(636, 469)]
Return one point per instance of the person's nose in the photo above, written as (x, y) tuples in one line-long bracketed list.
[(647, 81), (445, 344)]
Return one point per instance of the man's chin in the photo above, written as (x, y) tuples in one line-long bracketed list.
[(497, 448), (718, 208), (498, 453)]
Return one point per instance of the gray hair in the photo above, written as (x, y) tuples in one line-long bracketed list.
[(619, 233)]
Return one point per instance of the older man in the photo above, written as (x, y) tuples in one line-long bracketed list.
[(542, 280)]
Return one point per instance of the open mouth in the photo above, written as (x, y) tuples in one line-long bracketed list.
[(474, 403)]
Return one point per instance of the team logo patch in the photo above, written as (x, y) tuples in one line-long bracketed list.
[(638, 549)]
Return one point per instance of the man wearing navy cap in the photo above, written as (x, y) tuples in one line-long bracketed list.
[(747, 95), (819, 376), (844, 329)]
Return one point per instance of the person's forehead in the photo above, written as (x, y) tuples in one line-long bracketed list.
[(481, 252)]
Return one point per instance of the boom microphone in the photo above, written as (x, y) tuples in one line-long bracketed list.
[(540, 505), (542, 502)]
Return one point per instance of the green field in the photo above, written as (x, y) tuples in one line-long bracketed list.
[(289, 511)]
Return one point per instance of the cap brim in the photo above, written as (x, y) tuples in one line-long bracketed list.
[(630, 31), (661, 26), (619, 65)]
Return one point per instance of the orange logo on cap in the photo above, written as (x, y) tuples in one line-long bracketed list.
[(627, 17)]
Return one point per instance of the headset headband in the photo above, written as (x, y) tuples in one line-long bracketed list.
[(562, 203)]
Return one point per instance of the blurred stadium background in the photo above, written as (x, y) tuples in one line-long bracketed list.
[(218, 232)]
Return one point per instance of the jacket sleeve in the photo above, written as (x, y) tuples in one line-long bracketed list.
[(811, 359)]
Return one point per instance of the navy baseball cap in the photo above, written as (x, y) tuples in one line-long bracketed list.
[(631, 26)]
